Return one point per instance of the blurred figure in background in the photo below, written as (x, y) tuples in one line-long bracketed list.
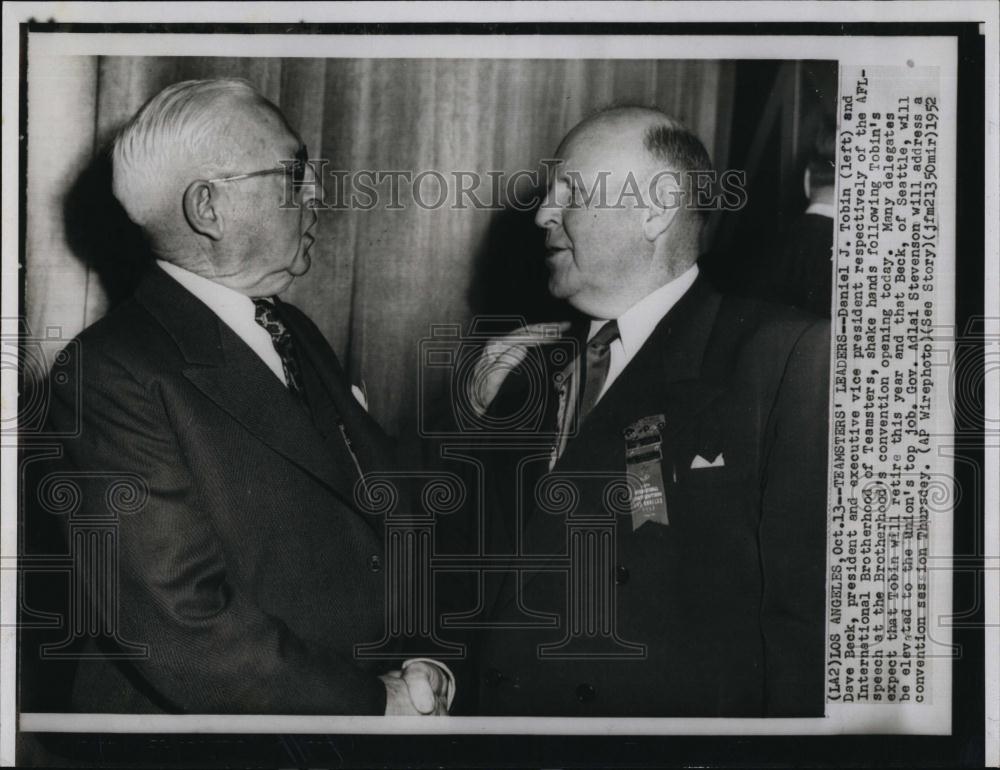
[(802, 274)]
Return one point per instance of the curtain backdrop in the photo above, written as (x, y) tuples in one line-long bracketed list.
[(380, 278)]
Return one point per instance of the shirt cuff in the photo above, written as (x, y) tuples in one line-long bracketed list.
[(447, 672)]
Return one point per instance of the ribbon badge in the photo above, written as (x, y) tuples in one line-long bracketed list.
[(643, 453)]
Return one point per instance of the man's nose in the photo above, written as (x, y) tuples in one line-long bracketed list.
[(549, 213)]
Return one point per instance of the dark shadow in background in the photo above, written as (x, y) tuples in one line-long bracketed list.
[(509, 275), (100, 233), (773, 147)]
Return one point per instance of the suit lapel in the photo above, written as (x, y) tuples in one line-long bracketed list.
[(250, 393), (372, 446), (667, 376), (228, 372), (519, 467)]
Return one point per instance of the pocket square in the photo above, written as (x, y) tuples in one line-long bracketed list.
[(360, 396), (701, 462)]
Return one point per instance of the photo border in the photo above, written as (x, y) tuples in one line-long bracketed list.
[(971, 267)]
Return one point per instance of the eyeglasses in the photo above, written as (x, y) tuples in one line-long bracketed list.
[(295, 169)]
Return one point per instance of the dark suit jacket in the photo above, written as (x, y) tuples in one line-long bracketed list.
[(248, 572), (721, 611)]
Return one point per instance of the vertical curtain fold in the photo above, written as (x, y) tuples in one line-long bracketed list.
[(62, 102)]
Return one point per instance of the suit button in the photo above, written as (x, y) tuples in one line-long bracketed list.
[(492, 677), (585, 693), (621, 574), (375, 563)]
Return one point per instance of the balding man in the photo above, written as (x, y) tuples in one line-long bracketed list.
[(701, 593), (249, 572)]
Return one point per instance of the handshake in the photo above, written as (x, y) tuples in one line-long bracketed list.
[(422, 687)]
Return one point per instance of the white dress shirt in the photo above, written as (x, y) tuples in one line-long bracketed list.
[(637, 323), (235, 310)]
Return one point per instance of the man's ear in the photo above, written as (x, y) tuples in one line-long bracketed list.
[(666, 199), (201, 211)]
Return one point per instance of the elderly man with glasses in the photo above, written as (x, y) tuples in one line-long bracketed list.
[(249, 574)]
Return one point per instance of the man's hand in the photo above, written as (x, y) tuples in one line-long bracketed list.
[(397, 696), (422, 688)]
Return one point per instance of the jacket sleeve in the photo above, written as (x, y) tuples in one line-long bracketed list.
[(210, 648), (793, 530)]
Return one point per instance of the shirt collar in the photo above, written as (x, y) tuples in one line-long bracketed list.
[(228, 304), (637, 323)]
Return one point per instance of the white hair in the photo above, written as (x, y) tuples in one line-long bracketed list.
[(177, 132)]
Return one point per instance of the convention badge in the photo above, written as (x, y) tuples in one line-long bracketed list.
[(643, 453)]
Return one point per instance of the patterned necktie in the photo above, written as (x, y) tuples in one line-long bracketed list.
[(266, 314), (598, 361)]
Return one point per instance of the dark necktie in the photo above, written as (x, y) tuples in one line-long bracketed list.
[(598, 361), (266, 314)]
